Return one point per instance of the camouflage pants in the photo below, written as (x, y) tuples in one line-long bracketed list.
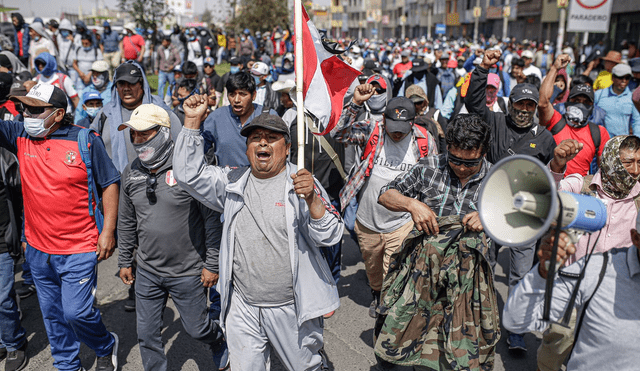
[(439, 308)]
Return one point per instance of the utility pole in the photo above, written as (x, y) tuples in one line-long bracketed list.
[(562, 5), (506, 13), (429, 12), (476, 15)]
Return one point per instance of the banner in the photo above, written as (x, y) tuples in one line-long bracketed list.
[(589, 16)]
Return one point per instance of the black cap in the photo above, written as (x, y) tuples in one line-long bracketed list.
[(266, 121), (372, 65), (5, 62), (234, 61), (582, 89), (6, 80), (127, 72), (419, 65), (524, 91), (399, 115)]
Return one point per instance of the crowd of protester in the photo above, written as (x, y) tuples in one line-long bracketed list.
[(93, 158)]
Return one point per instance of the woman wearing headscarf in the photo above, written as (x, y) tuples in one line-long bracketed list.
[(616, 183)]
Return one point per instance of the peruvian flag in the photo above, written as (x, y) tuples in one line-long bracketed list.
[(326, 78)]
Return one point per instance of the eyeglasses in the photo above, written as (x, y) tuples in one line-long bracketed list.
[(461, 161), (152, 182), (626, 78), (31, 111), (380, 90)]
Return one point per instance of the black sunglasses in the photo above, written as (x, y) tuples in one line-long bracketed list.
[(627, 77), (380, 90), (29, 110), (152, 182), (461, 161)]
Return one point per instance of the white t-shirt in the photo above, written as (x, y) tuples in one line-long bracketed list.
[(195, 53), (63, 82), (532, 70), (261, 93), (85, 59)]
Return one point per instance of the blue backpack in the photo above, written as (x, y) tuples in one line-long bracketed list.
[(85, 154)]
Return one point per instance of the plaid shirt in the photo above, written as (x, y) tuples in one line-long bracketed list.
[(347, 130), (433, 182)]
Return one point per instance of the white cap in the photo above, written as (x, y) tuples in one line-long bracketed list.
[(259, 69), (147, 116), (130, 26), (527, 54)]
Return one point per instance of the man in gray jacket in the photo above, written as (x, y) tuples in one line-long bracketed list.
[(168, 227), (274, 283)]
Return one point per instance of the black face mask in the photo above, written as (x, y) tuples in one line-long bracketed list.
[(577, 114)]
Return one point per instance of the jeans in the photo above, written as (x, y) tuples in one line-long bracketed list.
[(66, 285), (26, 273), (350, 218), (333, 254), (520, 261), (189, 297), (164, 78), (12, 334)]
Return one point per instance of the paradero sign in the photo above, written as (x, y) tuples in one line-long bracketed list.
[(589, 16)]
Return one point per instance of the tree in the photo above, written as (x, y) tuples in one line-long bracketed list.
[(145, 12), (206, 16), (261, 15)]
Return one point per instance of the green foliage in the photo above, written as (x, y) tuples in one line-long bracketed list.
[(145, 12), (261, 15)]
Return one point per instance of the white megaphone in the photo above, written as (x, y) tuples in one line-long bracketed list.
[(519, 202)]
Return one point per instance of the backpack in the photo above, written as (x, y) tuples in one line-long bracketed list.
[(85, 154), (593, 128)]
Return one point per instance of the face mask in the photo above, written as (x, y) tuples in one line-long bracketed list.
[(556, 92), (577, 114), (234, 69), (257, 80), (522, 119), (98, 81), (87, 49), (64, 33), (377, 102), (155, 152), (492, 96), (36, 38), (35, 126), (287, 66), (269, 78), (192, 38), (242, 38), (92, 111)]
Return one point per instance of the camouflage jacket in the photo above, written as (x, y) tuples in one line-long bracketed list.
[(439, 308)]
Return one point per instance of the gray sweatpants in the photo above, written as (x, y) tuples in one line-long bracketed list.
[(252, 332)]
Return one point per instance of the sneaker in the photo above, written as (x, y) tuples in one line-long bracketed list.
[(26, 290), (516, 343), (372, 309), (130, 305), (220, 353), (109, 362), (324, 366), (17, 360)]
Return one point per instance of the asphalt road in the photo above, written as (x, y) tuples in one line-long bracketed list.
[(348, 334)]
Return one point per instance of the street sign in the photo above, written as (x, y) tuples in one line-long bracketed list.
[(441, 29), (589, 16), (506, 11), (403, 20), (374, 31), (477, 11), (563, 3)]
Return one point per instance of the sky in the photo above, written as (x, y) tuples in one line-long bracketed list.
[(53, 8)]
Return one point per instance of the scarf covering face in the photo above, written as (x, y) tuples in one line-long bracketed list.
[(616, 181)]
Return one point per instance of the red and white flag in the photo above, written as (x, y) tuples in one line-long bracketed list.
[(326, 78)]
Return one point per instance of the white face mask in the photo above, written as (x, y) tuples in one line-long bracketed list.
[(92, 111), (35, 126)]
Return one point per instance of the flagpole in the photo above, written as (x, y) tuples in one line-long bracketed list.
[(299, 99)]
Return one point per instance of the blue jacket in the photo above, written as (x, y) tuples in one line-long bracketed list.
[(315, 291), (26, 39)]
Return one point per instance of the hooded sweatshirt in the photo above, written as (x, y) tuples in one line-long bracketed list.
[(24, 28), (118, 143)]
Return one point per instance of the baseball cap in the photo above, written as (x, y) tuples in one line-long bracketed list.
[(582, 89), (399, 115), (444, 55), (283, 86), (91, 95), (527, 54), (44, 95), (145, 117), (634, 63), (524, 91), (452, 63), (378, 79), (127, 72), (621, 70), (416, 94), (493, 80), (100, 66), (266, 121), (405, 53), (370, 64), (419, 65), (234, 61), (209, 61), (259, 69)]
